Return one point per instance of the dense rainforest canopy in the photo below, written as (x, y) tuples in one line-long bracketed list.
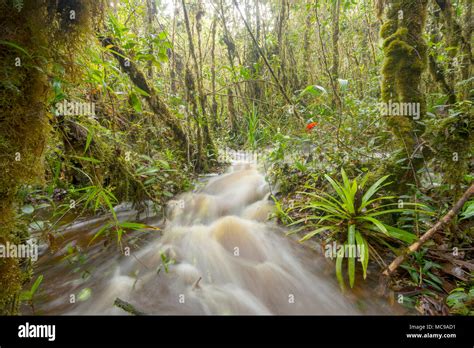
[(360, 110)]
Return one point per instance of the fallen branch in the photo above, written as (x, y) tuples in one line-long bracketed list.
[(127, 307), (431, 232)]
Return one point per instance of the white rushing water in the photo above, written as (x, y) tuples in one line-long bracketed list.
[(226, 258)]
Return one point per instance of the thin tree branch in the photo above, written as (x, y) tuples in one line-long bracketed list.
[(432, 231)]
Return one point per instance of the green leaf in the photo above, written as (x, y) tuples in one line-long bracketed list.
[(141, 92), (435, 278), (364, 180), (372, 190), (468, 211), (27, 209), (339, 259), (164, 163), (345, 180), (119, 235), (364, 256), (340, 192), (354, 188), (27, 295), (380, 226), (433, 284), (15, 46), (316, 231), (109, 204), (88, 140), (84, 294), (314, 90), (100, 232), (400, 234), (390, 211), (327, 197), (135, 102), (329, 200), (132, 225), (313, 218), (163, 35), (352, 247), (88, 159), (322, 206), (36, 284)]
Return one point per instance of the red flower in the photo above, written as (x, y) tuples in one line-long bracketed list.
[(311, 125)]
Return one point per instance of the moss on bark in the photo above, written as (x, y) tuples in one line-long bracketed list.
[(405, 59), (35, 33)]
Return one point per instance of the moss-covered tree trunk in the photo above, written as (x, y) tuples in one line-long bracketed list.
[(33, 34), (405, 56), (467, 61), (23, 127), (436, 70), (458, 40)]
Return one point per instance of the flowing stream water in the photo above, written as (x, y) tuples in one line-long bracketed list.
[(217, 253)]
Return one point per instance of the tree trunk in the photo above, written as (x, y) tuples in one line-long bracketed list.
[(335, 47), (255, 91), (405, 56), (208, 143), (200, 164), (231, 53), (281, 30), (151, 12), (457, 41), (45, 34), (437, 71), (325, 58), (306, 50), (466, 68), (172, 54), (213, 73)]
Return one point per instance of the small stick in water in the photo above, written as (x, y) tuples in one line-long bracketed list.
[(127, 307), (196, 284)]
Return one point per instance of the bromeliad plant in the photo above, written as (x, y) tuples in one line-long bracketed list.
[(353, 218)]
